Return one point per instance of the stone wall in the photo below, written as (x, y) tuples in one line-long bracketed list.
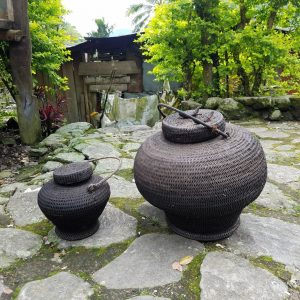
[(266, 107)]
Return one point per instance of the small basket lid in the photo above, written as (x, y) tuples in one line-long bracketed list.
[(73, 173), (179, 129)]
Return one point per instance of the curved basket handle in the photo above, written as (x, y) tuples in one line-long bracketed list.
[(196, 120), (92, 187)]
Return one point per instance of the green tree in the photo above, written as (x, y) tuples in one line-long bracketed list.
[(75, 36), (49, 38), (103, 29), (233, 46), (142, 12)]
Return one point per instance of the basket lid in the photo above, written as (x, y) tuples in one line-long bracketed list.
[(179, 129), (73, 173)]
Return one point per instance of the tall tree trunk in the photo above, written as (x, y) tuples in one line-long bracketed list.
[(216, 76), (242, 74), (20, 60), (227, 76), (204, 9), (257, 80)]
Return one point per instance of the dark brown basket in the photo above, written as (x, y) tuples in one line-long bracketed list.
[(72, 208), (202, 187), (178, 129), (73, 173)]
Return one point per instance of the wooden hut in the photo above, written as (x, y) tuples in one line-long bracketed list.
[(90, 71)]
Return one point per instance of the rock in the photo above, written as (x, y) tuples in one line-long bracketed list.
[(272, 197), (284, 147), (296, 141), (275, 115), (131, 147), (69, 157), (42, 179), (61, 286), (4, 218), (3, 200), (121, 188), (51, 166), (148, 298), (97, 149), (54, 141), (232, 109), (24, 209), (258, 103), (190, 104), (141, 136), (147, 262), (213, 102), (8, 141), (105, 166), (38, 152), (227, 276), (284, 175), (115, 227), (282, 102), (258, 236), (16, 244), (6, 174), (133, 128), (10, 189), (274, 134), (139, 111), (77, 127), (1, 289), (154, 213), (269, 144)]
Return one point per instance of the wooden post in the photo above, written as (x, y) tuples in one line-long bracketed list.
[(20, 60), (73, 113)]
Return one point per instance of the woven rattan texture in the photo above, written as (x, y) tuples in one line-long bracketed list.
[(73, 173), (208, 180), (83, 233), (72, 208), (181, 130)]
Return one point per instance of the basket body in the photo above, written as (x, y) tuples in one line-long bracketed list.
[(202, 187), (73, 209)]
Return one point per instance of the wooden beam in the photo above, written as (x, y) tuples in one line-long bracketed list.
[(106, 67), (11, 35), (114, 87), (73, 115), (6, 24), (106, 80)]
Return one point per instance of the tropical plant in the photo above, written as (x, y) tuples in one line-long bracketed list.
[(51, 115), (103, 29), (142, 12)]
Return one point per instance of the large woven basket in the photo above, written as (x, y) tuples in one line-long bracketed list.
[(202, 187)]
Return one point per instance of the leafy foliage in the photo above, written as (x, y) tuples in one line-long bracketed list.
[(49, 38), (103, 29), (142, 12), (225, 47)]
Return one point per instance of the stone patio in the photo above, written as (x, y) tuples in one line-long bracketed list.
[(134, 255)]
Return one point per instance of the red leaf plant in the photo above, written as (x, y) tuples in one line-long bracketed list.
[(51, 115)]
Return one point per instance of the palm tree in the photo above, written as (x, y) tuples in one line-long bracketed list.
[(142, 12)]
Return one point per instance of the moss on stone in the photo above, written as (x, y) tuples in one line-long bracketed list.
[(126, 174), (41, 228), (276, 268), (192, 276), (26, 173)]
